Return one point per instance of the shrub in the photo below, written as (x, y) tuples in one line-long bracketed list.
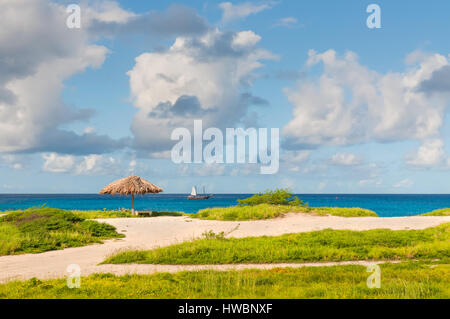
[(273, 197)]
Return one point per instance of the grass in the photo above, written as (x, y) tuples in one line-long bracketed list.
[(266, 211), (105, 214), (38, 230), (404, 280), (96, 214), (317, 246), (342, 211), (438, 212)]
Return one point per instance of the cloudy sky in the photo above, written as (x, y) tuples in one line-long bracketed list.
[(359, 110)]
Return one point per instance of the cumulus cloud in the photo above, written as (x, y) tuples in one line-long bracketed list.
[(242, 10), (293, 160), (106, 12), (201, 77), (430, 153), (349, 103), (345, 159), (107, 18), (80, 165), (439, 81), (36, 58), (55, 163), (96, 165)]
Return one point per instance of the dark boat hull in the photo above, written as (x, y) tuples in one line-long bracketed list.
[(199, 197)]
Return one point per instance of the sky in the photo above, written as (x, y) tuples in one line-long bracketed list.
[(359, 109)]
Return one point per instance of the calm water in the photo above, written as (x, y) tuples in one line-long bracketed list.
[(384, 205)]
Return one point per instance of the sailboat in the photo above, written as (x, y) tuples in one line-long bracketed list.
[(195, 195)]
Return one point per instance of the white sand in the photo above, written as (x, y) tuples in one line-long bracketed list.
[(148, 233)]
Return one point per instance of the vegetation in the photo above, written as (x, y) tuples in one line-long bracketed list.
[(438, 212), (342, 211), (405, 280), (317, 246), (266, 211), (262, 211), (37, 230), (96, 214), (99, 214), (272, 204), (173, 214), (275, 197)]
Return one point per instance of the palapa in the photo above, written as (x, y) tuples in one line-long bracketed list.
[(131, 185)]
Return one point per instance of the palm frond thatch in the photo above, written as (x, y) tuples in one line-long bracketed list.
[(131, 185)]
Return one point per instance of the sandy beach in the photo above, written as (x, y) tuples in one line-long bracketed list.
[(149, 233)]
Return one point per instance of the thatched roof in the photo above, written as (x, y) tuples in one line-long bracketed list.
[(131, 185)]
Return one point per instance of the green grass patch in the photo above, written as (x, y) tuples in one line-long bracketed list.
[(267, 211), (405, 280), (317, 246), (37, 230), (342, 211), (96, 214), (438, 212), (105, 214)]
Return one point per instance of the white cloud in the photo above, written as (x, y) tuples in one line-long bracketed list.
[(346, 159), (14, 161), (286, 22), (245, 170), (96, 165), (350, 103), (197, 78), (242, 10), (295, 157), (430, 153), (367, 182), (106, 11), (405, 183), (245, 39), (89, 130), (291, 160), (55, 163), (37, 54), (209, 170), (201, 169), (80, 165)]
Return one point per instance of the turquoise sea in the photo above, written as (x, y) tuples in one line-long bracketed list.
[(384, 205)]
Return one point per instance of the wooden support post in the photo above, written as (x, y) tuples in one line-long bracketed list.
[(132, 204)]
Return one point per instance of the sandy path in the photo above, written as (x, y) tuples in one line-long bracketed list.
[(148, 233)]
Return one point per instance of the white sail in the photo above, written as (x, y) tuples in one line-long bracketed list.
[(194, 191)]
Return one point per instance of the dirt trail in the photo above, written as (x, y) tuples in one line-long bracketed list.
[(149, 233)]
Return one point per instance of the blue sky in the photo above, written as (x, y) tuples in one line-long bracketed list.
[(359, 110)]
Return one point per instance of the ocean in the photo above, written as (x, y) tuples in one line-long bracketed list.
[(388, 205)]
